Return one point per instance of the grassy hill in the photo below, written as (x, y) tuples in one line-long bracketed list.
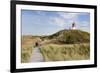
[(70, 36)]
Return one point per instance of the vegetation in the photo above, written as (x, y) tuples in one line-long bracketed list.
[(70, 36), (61, 46), (28, 43), (53, 52), (26, 54)]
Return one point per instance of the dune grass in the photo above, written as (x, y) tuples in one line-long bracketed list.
[(26, 53), (54, 52), (27, 45)]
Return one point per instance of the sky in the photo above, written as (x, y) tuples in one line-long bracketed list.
[(35, 22)]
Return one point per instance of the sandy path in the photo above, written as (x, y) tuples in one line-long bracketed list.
[(36, 55)]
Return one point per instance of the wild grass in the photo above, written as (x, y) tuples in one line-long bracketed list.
[(54, 52), (27, 46), (26, 52)]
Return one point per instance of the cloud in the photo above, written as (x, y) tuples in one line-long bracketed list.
[(64, 19), (71, 16), (58, 21)]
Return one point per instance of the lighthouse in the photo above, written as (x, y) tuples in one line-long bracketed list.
[(73, 26)]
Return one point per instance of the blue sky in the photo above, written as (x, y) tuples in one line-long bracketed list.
[(48, 22)]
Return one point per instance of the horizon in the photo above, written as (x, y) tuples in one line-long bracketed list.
[(39, 23), (54, 33)]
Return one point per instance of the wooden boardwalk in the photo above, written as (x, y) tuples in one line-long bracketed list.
[(36, 55)]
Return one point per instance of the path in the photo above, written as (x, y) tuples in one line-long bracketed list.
[(36, 55)]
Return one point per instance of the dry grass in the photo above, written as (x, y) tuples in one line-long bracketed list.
[(54, 52), (28, 43)]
